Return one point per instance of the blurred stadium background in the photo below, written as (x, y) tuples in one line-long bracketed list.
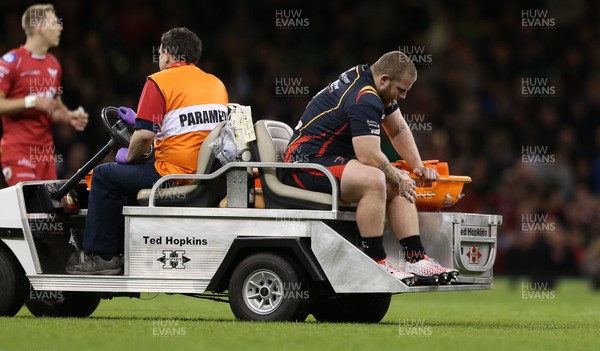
[(531, 146)]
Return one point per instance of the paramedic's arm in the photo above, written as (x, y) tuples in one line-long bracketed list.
[(140, 144)]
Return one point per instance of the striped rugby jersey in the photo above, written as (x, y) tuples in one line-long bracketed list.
[(346, 108)]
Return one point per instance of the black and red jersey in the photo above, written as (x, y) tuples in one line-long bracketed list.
[(346, 108)]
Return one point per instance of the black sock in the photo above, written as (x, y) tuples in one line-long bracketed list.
[(413, 249), (373, 247)]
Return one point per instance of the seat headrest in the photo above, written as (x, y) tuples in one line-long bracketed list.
[(272, 138)]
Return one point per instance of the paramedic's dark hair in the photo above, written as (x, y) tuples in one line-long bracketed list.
[(182, 44)]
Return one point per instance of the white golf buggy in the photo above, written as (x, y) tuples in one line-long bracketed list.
[(276, 256)]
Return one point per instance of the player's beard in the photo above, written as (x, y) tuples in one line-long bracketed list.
[(386, 95)]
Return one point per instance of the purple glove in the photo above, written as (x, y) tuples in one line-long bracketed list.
[(122, 155), (127, 115)]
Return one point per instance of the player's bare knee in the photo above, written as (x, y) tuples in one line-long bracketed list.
[(374, 180)]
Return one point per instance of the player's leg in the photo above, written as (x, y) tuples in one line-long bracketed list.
[(358, 183), (361, 184), (404, 222), (402, 215), (366, 186)]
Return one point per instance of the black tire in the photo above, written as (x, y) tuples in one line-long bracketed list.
[(62, 303), (352, 308), (279, 283), (13, 283)]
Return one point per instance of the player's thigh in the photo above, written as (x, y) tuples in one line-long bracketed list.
[(359, 179)]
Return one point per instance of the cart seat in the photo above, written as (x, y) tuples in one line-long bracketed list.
[(197, 193), (272, 138)]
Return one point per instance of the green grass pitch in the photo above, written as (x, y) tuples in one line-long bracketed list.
[(506, 318)]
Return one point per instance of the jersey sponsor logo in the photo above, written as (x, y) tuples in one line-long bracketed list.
[(25, 175), (30, 73), (26, 162), (374, 127), (344, 78), (333, 86), (339, 159), (10, 57), (53, 71), (372, 124)]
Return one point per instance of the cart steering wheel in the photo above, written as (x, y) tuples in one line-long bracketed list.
[(118, 130)]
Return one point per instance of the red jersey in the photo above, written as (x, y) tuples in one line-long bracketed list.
[(23, 73)]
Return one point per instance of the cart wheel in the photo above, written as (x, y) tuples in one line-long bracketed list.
[(268, 287), (13, 283), (352, 308), (62, 303)]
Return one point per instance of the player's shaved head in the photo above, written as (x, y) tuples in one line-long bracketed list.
[(34, 16), (395, 64)]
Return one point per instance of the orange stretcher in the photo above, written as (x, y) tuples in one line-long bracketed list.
[(443, 193)]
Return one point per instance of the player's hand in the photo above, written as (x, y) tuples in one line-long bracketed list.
[(127, 115), (78, 119), (406, 186), (426, 173), (45, 104), (121, 156)]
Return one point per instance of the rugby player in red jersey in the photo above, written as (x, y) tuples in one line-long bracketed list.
[(30, 100)]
